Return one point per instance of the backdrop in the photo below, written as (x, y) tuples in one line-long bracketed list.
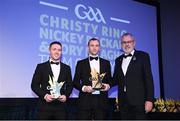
[(27, 28)]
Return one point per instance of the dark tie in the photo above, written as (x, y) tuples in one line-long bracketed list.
[(125, 56), (92, 58), (54, 62)]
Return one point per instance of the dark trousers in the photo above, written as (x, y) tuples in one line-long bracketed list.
[(129, 111), (94, 112), (47, 115), (52, 111)]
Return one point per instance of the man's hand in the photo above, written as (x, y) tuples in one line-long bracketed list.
[(62, 98), (148, 106), (49, 98), (106, 87), (87, 89)]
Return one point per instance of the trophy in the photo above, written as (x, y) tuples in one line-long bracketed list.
[(96, 79), (54, 87)]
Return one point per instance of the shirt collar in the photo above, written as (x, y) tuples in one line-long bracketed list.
[(132, 52)]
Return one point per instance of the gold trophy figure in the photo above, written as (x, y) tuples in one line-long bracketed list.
[(96, 79)]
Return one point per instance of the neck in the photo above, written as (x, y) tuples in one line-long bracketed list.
[(55, 60), (128, 52), (93, 55)]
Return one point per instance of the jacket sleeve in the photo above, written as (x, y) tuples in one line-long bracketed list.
[(77, 77), (149, 86), (108, 71), (36, 82), (69, 85), (115, 75)]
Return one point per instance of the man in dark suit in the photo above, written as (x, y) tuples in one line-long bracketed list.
[(92, 104), (133, 76), (52, 105)]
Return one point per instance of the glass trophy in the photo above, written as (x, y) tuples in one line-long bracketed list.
[(54, 87)]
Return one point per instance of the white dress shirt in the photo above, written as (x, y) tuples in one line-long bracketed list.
[(125, 64), (56, 70)]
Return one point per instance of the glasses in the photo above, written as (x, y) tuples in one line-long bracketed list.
[(127, 42)]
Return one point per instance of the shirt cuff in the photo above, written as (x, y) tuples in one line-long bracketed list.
[(83, 88)]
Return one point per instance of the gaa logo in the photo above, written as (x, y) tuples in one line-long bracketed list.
[(83, 12)]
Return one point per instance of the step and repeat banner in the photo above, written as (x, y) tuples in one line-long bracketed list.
[(27, 28)]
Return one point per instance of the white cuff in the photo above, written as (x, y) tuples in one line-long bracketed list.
[(83, 88)]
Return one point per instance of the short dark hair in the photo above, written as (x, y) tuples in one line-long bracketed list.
[(55, 42), (93, 39)]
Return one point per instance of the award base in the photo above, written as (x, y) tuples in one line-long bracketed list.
[(97, 88)]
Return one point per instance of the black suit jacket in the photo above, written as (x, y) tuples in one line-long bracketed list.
[(81, 78), (138, 79), (41, 77)]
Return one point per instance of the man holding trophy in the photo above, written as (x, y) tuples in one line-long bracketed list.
[(92, 78), (52, 82)]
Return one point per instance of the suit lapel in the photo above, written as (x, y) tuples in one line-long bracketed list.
[(87, 66), (132, 62), (60, 72), (49, 69), (120, 64), (101, 66)]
